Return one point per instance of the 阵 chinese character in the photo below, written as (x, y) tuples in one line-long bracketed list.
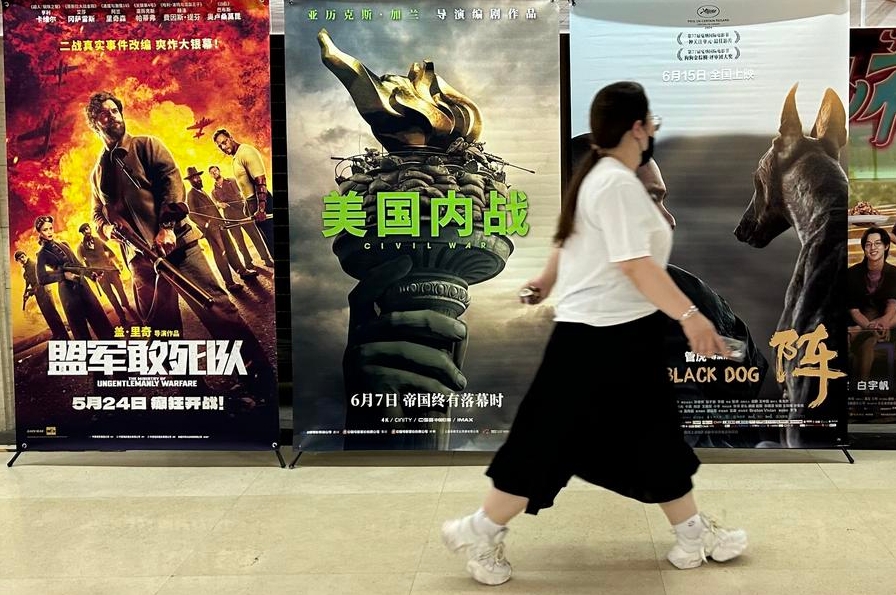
[(815, 359)]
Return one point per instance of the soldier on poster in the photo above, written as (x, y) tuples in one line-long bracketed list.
[(226, 193), (252, 180), (58, 264), (45, 302), (102, 131), (151, 211), (96, 253), (206, 216)]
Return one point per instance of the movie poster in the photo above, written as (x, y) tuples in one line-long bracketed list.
[(138, 151), (752, 99), (424, 171), (872, 215)]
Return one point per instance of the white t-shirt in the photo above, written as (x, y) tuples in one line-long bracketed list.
[(615, 220)]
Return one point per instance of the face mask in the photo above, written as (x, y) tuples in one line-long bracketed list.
[(648, 153)]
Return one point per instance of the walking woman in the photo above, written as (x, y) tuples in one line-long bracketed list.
[(603, 368)]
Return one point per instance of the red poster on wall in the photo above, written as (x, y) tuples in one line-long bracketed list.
[(138, 151)]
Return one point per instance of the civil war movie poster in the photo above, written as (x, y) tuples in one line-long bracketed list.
[(871, 219), (751, 173), (138, 143), (424, 189)]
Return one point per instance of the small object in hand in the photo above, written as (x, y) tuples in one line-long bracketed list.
[(529, 294), (737, 349)]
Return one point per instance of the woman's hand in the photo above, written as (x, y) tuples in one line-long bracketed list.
[(538, 288), (702, 336)]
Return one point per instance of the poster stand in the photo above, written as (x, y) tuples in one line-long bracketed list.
[(274, 446), (14, 457), (848, 456), (280, 459)]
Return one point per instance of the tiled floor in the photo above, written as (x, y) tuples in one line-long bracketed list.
[(236, 524)]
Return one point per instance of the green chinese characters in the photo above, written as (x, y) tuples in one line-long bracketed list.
[(401, 213)]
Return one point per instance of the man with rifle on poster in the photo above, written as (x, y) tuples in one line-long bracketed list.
[(95, 253), (138, 197), (45, 304), (57, 263)]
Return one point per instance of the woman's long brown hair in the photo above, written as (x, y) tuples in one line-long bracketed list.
[(614, 110)]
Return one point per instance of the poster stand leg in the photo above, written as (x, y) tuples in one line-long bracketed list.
[(277, 452), (292, 465), (843, 448), (13, 459)]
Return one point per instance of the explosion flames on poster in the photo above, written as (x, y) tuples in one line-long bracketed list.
[(139, 160)]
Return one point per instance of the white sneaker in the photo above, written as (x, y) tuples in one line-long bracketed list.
[(714, 542), (485, 556)]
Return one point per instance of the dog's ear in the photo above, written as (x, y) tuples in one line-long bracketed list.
[(830, 126), (791, 131)]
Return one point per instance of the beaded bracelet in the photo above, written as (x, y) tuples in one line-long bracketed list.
[(688, 313)]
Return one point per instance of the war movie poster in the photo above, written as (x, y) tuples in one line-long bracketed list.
[(138, 151)]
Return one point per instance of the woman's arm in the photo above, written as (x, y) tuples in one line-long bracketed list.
[(657, 286), (544, 281)]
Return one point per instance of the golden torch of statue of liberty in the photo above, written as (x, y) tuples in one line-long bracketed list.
[(431, 151), (419, 110)]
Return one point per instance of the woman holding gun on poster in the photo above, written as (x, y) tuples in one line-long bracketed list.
[(616, 296), (57, 263)]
